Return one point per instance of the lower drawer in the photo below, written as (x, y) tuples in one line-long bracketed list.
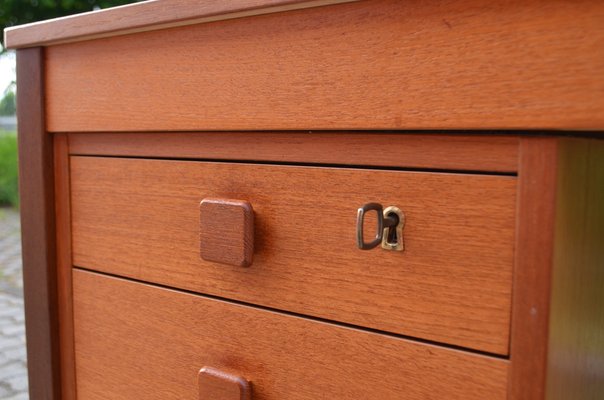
[(136, 341)]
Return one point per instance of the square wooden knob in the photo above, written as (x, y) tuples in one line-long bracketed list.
[(218, 385), (226, 231)]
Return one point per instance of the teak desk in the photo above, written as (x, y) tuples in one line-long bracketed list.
[(201, 183)]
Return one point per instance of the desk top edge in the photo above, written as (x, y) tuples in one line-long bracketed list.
[(145, 16)]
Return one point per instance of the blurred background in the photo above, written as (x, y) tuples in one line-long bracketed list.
[(13, 364)]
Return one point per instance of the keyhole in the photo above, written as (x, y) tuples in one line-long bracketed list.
[(394, 221), (392, 237)]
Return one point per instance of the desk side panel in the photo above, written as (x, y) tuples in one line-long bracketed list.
[(36, 185)]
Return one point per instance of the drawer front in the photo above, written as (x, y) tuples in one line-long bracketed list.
[(452, 283), (135, 341)]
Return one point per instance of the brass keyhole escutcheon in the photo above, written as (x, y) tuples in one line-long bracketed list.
[(390, 224), (392, 237)]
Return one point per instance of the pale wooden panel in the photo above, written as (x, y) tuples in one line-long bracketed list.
[(135, 341), (558, 315), (149, 15), (522, 64), (575, 363), (436, 151), (140, 218)]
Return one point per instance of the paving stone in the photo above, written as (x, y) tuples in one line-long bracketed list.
[(13, 329), (9, 343), (19, 396), (13, 363), (8, 311), (18, 383), (16, 353), (3, 360), (10, 370), (4, 392)]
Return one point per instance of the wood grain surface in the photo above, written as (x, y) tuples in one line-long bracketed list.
[(37, 208), (64, 266), (215, 384), (575, 363), (140, 218), (534, 244), (136, 341), (490, 152), (557, 316), (149, 15), (226, 231), (384, 64)]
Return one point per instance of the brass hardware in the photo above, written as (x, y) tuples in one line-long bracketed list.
[(392, 236), (360, 222), (390, 223)]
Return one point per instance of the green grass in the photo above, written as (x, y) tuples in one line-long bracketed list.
[(9, 191)]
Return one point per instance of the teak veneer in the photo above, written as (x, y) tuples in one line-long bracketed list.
[(452, 285), (384, 64), (296, 113), (279, 351)]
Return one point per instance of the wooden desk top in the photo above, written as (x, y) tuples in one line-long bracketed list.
[(146, 16)]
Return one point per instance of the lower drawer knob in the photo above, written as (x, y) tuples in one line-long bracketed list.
[(219, 385)]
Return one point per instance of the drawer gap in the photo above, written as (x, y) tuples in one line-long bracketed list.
[(303, 316), (307, 164)]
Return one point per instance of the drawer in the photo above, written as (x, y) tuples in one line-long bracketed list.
[(136, 341), (452, 284)]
